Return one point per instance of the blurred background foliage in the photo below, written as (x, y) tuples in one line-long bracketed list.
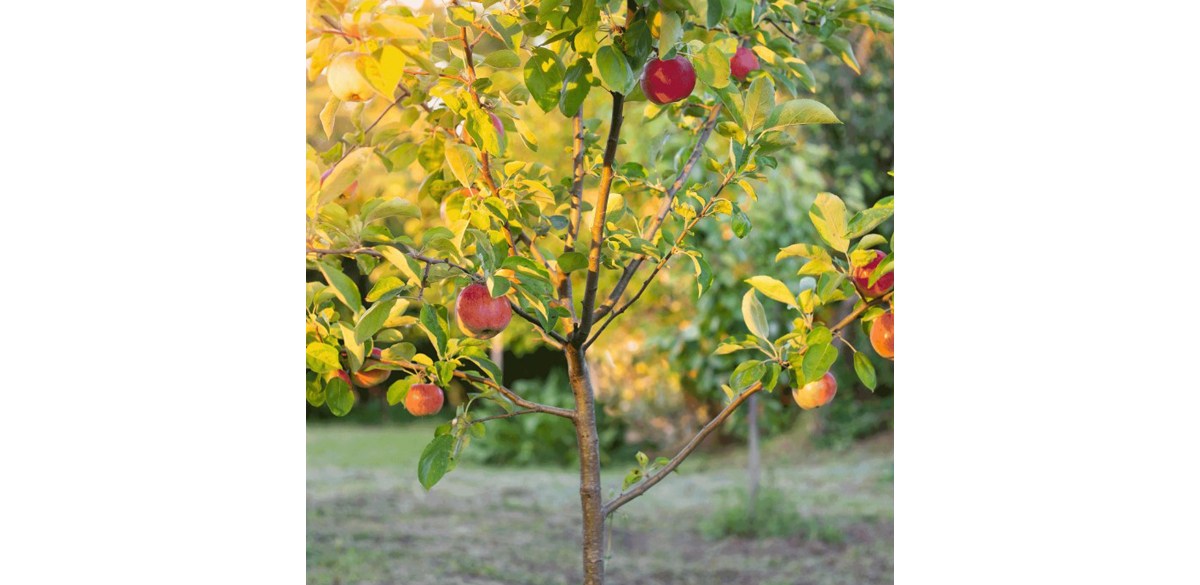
[(656, 376)]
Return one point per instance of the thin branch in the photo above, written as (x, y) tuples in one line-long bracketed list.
[(668, 198), (598, 219), (683, 453), (513, 396), (500, 416), (662, 262)]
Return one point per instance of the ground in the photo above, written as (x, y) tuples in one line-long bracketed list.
[(370, 522)]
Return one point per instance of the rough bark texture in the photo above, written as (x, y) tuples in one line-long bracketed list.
[(589, 466)]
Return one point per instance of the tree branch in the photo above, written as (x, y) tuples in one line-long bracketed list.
[(668, 198), (598, 220), (663, 262), (683, 453), (554, 338), (509, 394)]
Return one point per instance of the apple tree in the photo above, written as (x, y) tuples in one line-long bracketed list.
[(453, 102)]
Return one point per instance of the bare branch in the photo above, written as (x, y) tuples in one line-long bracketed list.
[(683, 453), (500, 416)]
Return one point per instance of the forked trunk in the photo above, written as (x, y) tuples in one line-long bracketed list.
[(589, 466)]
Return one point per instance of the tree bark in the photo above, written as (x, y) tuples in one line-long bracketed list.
[(589, 465), (753, 463)]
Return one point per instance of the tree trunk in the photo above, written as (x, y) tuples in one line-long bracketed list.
[(752, 465), (589, 466)]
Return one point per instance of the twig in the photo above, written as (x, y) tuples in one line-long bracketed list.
[(683, 453), (513, 396)]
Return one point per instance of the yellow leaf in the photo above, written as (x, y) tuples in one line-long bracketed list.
[(327, 115)]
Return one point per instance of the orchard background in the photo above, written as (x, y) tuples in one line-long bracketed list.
[(508, 511)]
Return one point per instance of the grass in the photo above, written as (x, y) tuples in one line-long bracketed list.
[(369, 521)]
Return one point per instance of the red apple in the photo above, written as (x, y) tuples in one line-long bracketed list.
[(862, 276), (479, 314), (882, 332), (345, 81), (742, 63), (424, 399), (668, 81), (816, 393)]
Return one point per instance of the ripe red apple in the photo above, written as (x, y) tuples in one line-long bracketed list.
[(816, 393), (862, 276), (742, 63), (424, 399), (882, 332), (345, 81), (668, 81), (479, 314)]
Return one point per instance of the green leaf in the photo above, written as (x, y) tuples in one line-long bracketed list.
[(828, 214), (462, 162), (773, 289), (642, 459), (435, 461), (343, 287), (741, 223), (799, 112), (712, 66), (399, 390), (373, 319), (544, 75), (572, 261), (338, 396), (715, 12), (394, 207), (869, 241), (669, 33), (760, 100), (385, 285), (817, 360), (726, 348), (746, 374), (577, 84), (634, 476), (503, 59), (433, 328), (864, 369), (321, 357), (820, 334), (315, 391), (754, 316), (772, 376), (614, 70), (868, 219), (841, 47)]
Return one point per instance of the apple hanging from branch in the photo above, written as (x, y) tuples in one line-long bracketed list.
[(424, 399), (480, 315), (817, 393), (669, 80)]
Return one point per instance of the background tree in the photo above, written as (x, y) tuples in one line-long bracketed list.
[(487, 235)]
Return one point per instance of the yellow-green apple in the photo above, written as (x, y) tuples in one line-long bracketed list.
[(424, 399), (669, 80), (345, 81), (862, 276), (882, 332), (480, 315), (816, 393), (742, 63)]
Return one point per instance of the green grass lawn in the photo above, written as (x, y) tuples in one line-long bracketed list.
[(369, 520)]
